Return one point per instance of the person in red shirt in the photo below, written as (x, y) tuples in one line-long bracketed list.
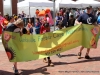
[(45, 27), (3, 24)]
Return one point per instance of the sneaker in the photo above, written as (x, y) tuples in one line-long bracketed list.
[(44, 60), (79, 55), (15, 71), (87, 57), (50, 63), (58, 55)]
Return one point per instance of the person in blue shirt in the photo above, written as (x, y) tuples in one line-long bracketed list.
[(59, 19), (86, 18), (37, 26)]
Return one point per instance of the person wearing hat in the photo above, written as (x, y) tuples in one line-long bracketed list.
[(86, 18)]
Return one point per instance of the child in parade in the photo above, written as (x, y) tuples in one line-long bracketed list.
[(46, 28), (59, 19), (59, 27), (29, 27), (17, 26), (37, 26)]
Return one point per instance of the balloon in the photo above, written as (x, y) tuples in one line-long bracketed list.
[(47, 10), (42, 13)]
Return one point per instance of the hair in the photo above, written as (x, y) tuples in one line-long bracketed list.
[(30, 19), (98, 13), (24, 30), (6, 17), (46, 24), (38, 19), (77, 16), (57, 14), (47, 15), (72, 16), (88, 8), (19, 22), (11, 17)]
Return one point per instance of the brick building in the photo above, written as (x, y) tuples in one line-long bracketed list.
[(14, 6)]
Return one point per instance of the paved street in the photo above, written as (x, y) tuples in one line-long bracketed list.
[(67, 65)]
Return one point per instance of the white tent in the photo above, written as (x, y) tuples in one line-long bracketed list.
[(69, 4), (79, 3), (35, 3), (93, 3), (29, 6)]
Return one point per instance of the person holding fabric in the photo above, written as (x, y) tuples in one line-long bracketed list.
[(17, 26), (86, 18), (45, 27)]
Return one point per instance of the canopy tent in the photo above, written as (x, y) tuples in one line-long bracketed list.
[(69, 4), (79, 3), (35, 3), (32, 5)]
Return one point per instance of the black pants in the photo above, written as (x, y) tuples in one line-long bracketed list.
[(48, 58)]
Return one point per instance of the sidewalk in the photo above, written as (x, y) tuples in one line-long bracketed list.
[(67, 65)]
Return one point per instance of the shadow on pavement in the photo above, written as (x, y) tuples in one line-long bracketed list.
[(88, 60), (38, 70), (68, 55), (41, 70), (6, 73), (60, 63)]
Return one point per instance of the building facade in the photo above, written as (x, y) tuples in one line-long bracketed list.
[(20, 0), (13, 4)]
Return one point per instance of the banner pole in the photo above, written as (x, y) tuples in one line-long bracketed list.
[(54, 14)]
